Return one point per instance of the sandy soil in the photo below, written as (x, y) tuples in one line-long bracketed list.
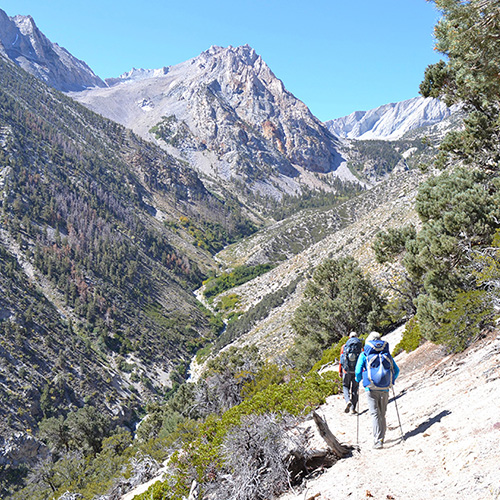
[(449, 408)]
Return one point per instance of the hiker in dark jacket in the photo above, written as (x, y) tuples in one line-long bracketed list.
[(351, 349), (379, 371)]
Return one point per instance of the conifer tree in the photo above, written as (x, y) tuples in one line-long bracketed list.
[(467, 35), (460, 208), (338, 299)]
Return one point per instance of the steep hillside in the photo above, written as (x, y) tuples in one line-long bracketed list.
[(102, 239), (267, 303), (450, 427), (297, 233), (441, 406)]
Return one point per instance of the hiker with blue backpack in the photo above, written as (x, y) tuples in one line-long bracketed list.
[(379, 371), (349, 355)]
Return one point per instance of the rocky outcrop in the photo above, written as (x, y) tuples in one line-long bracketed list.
[(22, 448), (22, 42)]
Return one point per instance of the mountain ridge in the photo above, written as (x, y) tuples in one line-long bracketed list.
[(391, 121), (91, 234), (226, 113), (23, 43)]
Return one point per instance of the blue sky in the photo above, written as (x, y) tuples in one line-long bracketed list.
[(336, 56)]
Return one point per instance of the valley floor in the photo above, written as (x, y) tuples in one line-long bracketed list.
[(450, 417)]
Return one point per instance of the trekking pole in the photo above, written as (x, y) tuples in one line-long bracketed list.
[(357, 422), (397, 411)]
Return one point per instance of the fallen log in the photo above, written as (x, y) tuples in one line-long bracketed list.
[(341, 450), (314, 496)]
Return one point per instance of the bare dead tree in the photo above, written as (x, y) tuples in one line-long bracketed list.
[(341, 450), (257, 455)]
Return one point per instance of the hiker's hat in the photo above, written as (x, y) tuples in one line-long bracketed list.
[(353, 334), (373, 336)]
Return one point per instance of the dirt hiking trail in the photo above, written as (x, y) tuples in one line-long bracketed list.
[(449, 407)]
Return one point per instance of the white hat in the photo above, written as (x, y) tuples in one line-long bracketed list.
[(373, 336), (353, 334)]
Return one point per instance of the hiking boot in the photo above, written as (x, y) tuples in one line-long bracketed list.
[(348, 407), (378, 445), (353, 410)]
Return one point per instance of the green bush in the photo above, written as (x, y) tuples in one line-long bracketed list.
[(412, 338), (226, 281), (228, 302), (468, 314)]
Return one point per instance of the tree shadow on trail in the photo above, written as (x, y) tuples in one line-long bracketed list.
[(428, 423)]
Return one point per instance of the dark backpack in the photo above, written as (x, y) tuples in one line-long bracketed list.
[(350, 354), (379, 372)]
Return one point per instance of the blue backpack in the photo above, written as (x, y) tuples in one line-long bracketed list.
[(350, 354), (379, 373)]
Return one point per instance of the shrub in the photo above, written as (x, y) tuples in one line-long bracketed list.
[(466, 317), (226, 281), (330, 355), (203, 458), (412, 338)]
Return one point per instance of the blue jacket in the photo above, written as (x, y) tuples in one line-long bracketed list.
[(361, 367)]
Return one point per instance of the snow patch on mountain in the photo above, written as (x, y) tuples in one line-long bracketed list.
[(391, 121)]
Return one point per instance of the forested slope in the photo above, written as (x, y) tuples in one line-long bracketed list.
[(103, 237)]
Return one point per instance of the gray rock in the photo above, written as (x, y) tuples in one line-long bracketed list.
[(22, 448), (227, 114), (70, 496), (22, 42)]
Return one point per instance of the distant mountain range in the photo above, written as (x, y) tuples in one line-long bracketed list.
[(228, 116), (391, 121)]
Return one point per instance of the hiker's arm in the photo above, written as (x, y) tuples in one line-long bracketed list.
[(396, 370), (360, 366)]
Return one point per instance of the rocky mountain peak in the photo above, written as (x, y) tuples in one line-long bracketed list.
[(26, 24), (245, 52), (227, 113), (23, 43)]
